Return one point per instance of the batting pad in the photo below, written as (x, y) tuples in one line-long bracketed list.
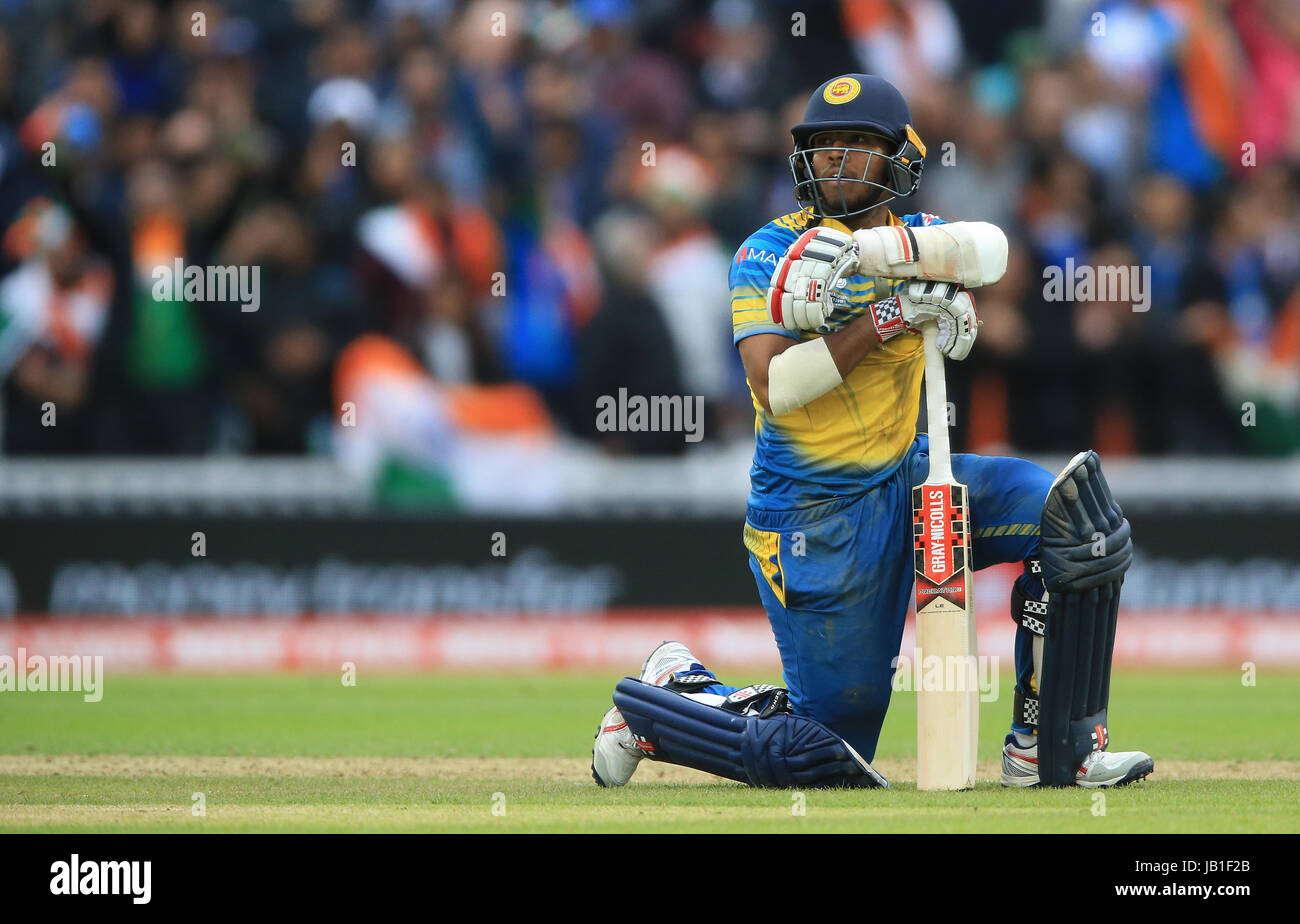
[(781, 751), (1085, 550)]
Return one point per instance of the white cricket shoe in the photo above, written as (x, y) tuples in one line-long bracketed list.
[(1019, 765), (1100, 769), (616, 752)]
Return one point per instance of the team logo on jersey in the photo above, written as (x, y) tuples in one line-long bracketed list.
[(842, 90)]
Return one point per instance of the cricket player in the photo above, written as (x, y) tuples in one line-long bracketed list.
[(826, 305)]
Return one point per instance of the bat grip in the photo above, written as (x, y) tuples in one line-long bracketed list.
[(936, 406)]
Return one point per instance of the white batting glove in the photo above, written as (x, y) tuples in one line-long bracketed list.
[(799, 297), (948, 305)]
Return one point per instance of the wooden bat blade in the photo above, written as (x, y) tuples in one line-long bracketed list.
[(948, 688)]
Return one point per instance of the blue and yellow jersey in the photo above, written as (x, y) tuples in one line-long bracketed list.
[(855, 435)]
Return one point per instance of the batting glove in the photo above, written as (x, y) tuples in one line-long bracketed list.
[(947, 304), (800, 295)]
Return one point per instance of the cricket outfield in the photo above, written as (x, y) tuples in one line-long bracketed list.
[(510, 753)]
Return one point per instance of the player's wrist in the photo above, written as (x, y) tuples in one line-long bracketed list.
[(887, 317)]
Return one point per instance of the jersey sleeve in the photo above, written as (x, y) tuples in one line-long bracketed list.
[(751, 274), (921, 219)]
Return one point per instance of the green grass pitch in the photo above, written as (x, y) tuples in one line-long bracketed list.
[(510, 753)]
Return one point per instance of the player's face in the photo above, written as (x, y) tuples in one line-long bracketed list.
[(854, 161)]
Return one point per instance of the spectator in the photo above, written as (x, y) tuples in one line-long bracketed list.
[(439, 175), (280, 359), (687, 275), (426, 264), (911, 44), (627, 344), (53, 310)]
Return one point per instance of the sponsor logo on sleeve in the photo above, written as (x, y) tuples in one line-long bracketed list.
[(758, 256)]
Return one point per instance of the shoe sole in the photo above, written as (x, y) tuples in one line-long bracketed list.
[(594, 775), (1018, 785)]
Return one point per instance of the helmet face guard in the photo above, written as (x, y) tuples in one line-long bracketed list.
[(902, 174)]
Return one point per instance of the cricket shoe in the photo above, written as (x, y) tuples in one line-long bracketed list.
[(1106, 769), (1100, 769), (617, 751)]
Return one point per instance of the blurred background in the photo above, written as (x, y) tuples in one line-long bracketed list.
[(472, 220)]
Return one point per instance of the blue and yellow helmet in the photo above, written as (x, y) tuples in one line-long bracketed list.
[(869, 104)]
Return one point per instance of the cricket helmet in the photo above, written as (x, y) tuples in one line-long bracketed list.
[(869, 104)]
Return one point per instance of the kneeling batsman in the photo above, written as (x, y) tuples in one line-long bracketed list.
[(678, 712)]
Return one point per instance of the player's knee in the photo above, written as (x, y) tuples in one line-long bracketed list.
[(853, 712), (1085, 538)]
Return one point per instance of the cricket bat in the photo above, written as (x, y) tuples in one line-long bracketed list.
[(947, 699)]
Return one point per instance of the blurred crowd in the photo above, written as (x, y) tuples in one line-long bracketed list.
[(545, 197)]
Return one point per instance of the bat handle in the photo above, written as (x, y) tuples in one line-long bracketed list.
[(936, 406)]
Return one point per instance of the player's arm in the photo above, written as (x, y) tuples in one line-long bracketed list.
[(970, 253), (786, 374)]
